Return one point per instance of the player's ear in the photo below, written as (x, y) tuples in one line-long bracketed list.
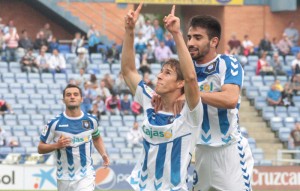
[(214, 42), (180, 84)]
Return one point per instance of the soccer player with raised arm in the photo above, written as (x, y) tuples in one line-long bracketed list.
[(223, 157), (168, 139), (70, 134)]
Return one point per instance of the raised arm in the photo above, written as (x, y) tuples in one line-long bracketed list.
[(172, 24), (128, 68)]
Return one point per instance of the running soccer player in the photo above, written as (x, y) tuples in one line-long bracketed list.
[(71, 135), (223, 157), (168, 139)]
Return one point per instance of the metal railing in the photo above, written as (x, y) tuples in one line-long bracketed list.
[(280, 154)]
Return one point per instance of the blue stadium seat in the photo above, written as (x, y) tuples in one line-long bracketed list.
[(289, 59), (260, 103), (18, 108), (64, 48), (34, 78), (8, 77), (20, 150), (47, 78), (252, 143), (32, 130), (4, 88), (22, 99), (249, 70), (16, 88), (276, 123), (21, 78), (30, 109), (24, 119), (26, 141), (289, 122), (31, 150), (252, 92), (293, 111), (127, 153), (258, 154), (15, 67), (268, 113), (60, 78), (55, 89), (10, 120), (36, 99), (37, 120), (56, 109), (29, 88), (19, 130), (42, 89), (284, 134), (44, 109), (10, 98), (70, 57), (4, 151)]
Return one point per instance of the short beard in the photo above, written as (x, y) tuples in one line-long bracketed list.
[(72, 107), (200, 56)]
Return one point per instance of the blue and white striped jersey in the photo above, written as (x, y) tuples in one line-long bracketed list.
[(168, 143), (73, 162), (220, 126)]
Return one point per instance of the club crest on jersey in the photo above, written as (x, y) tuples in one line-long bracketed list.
[(45, 129), (86, 124), (211, 68)]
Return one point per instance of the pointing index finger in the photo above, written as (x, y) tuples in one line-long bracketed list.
[(173, 10), (137, 11)]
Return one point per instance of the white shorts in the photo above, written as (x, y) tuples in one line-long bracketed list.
[(85, 184), (226, 168)]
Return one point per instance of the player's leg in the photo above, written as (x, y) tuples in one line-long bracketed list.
[(201, 179), (232, 167), (85, 184)]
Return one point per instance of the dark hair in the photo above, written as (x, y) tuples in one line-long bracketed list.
[(174, 64), (210, 23), (72, 86)]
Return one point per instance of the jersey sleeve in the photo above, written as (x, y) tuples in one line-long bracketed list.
[(96, 132), (143, 94), (234, 72), (193, 117), (47, 133)]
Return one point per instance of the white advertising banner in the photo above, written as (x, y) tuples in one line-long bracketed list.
[(39, 177), (11, 177)]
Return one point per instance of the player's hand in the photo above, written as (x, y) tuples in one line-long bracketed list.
[(171, 22), (63, 142), (156, 102), (106, 161), (178, 105), (131, 17)]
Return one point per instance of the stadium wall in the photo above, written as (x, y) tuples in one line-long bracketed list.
[(29, 18)]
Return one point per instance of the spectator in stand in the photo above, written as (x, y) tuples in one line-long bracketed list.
[(265, 45), (93, 79), (136, 109), (42, 60), (162, 53), (296, 64), (87, 96), (263, 67), (82, 60), (235, 45), (113, 55), (287, 95), (148, 81), (169, 41), (102, 90), (81, 79), (2, 44), (53, 44), (113, 104), (77, 42), (25, 43), (2, 137), (12, 42), (140, 45), (99, 102), (28, 62), (125, 105), (109, 82), (13, 143), (134, 136), (5, 108), (148, 57), (274, 45), (273, 96), (120, 86), (1, 25), (10, 24), (284, 46), (295, 82), (57, 62), (144, 68), (292, 33), (159, 32), (40, 40), (93, 36), (47, 32), (278, 85), (277, 65), (94, 111), (295, 136), (248, 46), (148, 30)]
